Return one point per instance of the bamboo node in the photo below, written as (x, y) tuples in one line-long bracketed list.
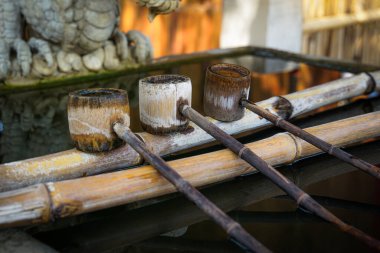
[(301, 198), (231, 227), (278, 120), (241, 151), (371, 83), (297, 145), (331, 150)]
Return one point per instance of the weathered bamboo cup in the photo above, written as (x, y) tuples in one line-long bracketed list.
[(225, 86), (99, 121), (91, 130), (159, 99)]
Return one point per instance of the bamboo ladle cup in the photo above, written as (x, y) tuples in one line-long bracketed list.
[(99, 121), (224, 99)]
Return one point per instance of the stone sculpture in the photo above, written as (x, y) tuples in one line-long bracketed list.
[(41, 38)]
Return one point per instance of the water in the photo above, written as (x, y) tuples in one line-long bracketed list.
[(34, 123)]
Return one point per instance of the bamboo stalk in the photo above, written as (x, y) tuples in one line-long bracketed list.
[(73, 163), (302, 198), (168, 62), (319, 143), (49, 201), (128, 227)]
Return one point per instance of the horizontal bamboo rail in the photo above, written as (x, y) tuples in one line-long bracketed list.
[(73, 163), (168, 62), (325, 23), (46, 202), (123, 228)]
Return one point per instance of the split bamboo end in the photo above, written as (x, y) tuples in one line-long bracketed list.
[(26, 206)]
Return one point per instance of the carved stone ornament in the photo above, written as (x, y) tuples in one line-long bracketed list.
[(43, 38)]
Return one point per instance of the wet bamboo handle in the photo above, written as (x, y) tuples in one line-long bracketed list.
[(314, 140), (289, 187), (50, 201), (233, 229)]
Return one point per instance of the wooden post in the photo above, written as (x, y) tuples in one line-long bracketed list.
[(109, 121)]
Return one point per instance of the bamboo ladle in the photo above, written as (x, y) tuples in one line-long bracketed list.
[(99, 121), (236, 73), (164, 112)]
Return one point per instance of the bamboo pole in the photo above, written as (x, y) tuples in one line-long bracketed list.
[(128, 227), (99, 121), (49, 201), (73, 163), (168, 62)]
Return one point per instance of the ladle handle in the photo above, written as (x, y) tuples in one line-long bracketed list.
[(233, 229), (302, 198)]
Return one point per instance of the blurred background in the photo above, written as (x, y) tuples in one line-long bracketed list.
[(343, 29)]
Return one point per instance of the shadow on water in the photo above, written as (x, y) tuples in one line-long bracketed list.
[(34, 123)]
